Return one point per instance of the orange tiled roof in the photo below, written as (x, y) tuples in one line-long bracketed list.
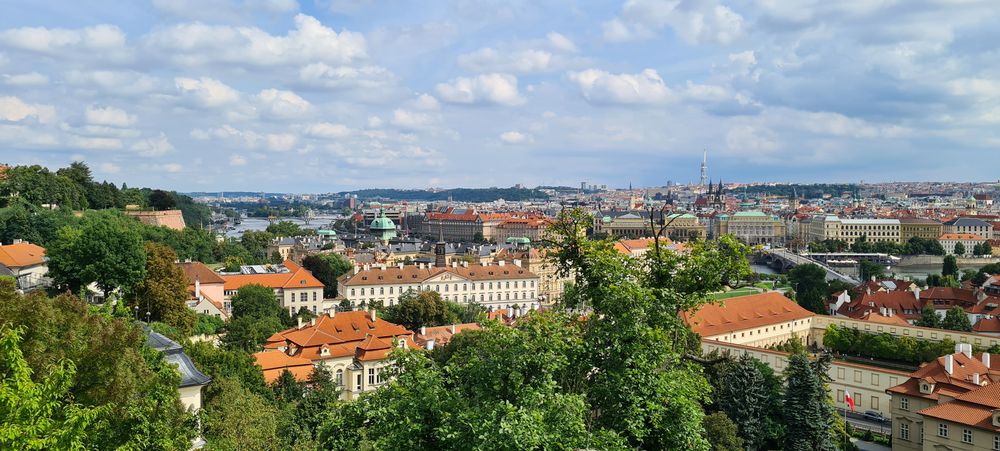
[(273, 363), (875, 317), (744, 312), (21, 254), (954, 384), (960, 236), (989, 325), (198, 270), (337, 336), (297, 277), (442, 334), (414, 274)]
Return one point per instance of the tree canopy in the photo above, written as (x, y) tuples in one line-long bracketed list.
[(811, 289), (105, 249), (327, 268)]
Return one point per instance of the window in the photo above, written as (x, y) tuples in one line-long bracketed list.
[(996, 442), (904, 431), (942, 430), (352, 291), (314, 296), (966, 435), (303, 297), (904, 404), (358, 382), (340, 377), (371, 376)]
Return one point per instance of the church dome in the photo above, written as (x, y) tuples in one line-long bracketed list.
[(382, 222)]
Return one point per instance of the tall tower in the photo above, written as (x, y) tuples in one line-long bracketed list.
[(704, 170)]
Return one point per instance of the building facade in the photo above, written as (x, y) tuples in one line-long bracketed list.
[(751, 227), (830, 227), (928, 229), (294, 286), (969, 242), (969, 225)]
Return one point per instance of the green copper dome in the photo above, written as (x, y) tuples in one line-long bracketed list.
[(606, 219), (523, 240), (382, 222)]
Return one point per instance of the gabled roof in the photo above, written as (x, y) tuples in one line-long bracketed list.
[(273, 363), (198, 270), (20, 255), (954, 384), (336, 336), (744, 312), (297, 277), (960, 237)]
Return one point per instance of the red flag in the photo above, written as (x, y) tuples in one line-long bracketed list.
[(848, 399)]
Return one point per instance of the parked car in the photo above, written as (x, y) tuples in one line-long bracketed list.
[(875, 416)]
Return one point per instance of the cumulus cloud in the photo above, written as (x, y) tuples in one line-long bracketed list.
[(697, 21), (598, 86), (121, 83), (192, 44), (26, 79), (206, 92), (522, 61), (105, 40), (237, 160), (500, 89), (410, 120), (14, 109), (109, 168), (282, 104), (322, 75), (110, 116), (153, 147), (327, 130), (514, 137), (561, 42)]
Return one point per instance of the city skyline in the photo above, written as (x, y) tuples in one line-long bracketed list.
[(287, 96)]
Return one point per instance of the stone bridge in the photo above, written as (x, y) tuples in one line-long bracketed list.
[(782, 260)]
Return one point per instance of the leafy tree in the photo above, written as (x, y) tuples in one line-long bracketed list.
[(950, 266), (288, 228), (327, 268), (980, 278), (968, 274), (105, 249), (287, 388), (861, 245), (871, 269), (135, 389), (38, 186), (207, 325), (221, 363), (721, 433), (809, 283), (256, 243), (928, 317), (956, 319), (256, 301), (239, 418), (39, 415), (416, 309), (987, 248), (163, 293), (744, 397), (959, 249), (276, 258), (806, 427), (233, 264), (162, 200)]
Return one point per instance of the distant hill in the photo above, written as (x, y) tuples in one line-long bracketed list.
[(456, 194)]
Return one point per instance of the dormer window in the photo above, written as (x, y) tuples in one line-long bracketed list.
[(996, 417), (926, 388), (324, 351)]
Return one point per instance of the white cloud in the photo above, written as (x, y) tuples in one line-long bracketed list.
[(426, 102), (237, 160), (486, 88), (206, 92), (26, 79), (94, 143), (749, 139), (514, 137), (153, 147), (282, 104), (747, 58), (113, 82), (522, 61), (327, 130), (168, 167), (598, 86), (109, 168), (696, 22), (374, 122), (280, 142), (560, 42), (339, 77), (106, 39), (199, 44), (975, 87), (410, 120), (14, 109), (110, 116)]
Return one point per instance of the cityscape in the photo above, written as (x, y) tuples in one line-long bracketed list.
[(270, 225)]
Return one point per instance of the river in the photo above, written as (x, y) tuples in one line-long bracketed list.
[(316, 222)]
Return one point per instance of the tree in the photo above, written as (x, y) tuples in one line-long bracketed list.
[(928, 317), (806, 427), (744, 397), (987, 249), (105, 249), (207, 325), (288, 228), (959, 249), (256, 301), (869, 270), (416, 309), (721, 433), (809, 283), (287, 389), (968, 274), (861, 245), (256, 315), (162, 200), (327, 268), (239, 419), (256, 243), (950, 266), (39, 415), (163, 293), (956, 319)]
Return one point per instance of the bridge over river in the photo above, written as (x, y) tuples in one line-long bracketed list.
[(782, 260)]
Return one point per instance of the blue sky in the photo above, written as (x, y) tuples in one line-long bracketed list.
[(316, 96)]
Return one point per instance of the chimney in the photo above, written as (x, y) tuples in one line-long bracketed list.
[(964, 348), (949, 363), (423, 330), (17, 241), (382, 267), (399, 265), (372, 313), (501, 263), (916, 292), (517, 262), (465, 264), (356, 269), (430, 344), (453, 329), (197, 287), (300, 322), (986, 359), (312, 322), (975, 378)]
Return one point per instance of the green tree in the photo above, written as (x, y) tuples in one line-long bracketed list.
[(256, 301), (956, 319), (163, 293), (105, 249), (721, 433), (288, 228), (928, 317), (806, 427), (871, 269), (809, 283), (239, 419), (207, 325), (327, 268), (162, 200), (950, 266), (959, 249), (745, 399), (256, 315), (416, 309), (987, 248), (256, 243), (288, 389), (39, 415)]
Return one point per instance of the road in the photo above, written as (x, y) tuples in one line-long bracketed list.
[(858, 420)]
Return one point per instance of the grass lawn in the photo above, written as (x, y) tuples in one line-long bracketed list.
[(733, 294)]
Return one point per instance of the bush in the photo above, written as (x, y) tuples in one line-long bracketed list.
[(208, 325)]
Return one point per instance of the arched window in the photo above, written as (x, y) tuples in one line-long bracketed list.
[(340, 377)]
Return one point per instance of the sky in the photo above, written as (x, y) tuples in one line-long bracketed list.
[(329, 95)]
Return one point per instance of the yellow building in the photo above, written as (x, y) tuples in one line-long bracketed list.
[(751, 227), (830, 227), (920, 228), (682, 227)]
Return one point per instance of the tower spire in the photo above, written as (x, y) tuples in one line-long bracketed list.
[(704, 169)]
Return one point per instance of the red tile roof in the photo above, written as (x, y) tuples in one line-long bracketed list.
[(744, 312), (198, 270), (273, 363), (337, 336), (21, 254), (959, 237), (297, 277)]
